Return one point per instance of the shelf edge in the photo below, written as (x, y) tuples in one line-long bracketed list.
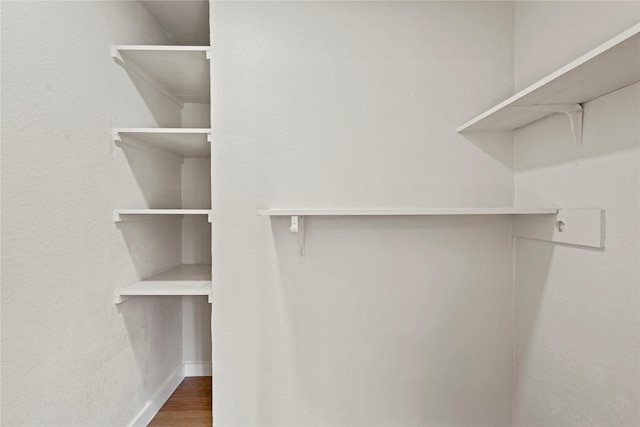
[(407, 212), (156, 214)]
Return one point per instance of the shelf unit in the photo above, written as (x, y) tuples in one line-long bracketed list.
[(185, 279), (173, 142), (175, 84), (179, 72), (610, 66), (182, 74)]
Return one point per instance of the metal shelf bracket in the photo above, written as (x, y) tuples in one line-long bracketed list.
[(572, 111), (297, 226)]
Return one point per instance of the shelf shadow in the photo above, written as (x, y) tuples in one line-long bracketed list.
[(158, 178), (397, 311)]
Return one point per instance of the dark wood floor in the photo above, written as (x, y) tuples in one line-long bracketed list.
[(188, 406)]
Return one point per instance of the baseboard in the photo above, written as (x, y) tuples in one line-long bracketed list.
[(197, 369), (153, 405)]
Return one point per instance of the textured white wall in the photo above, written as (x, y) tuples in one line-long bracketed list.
[(577, 309), (69, 356), (390, 321)]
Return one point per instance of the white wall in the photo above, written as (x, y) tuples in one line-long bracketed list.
[(196, 194), (196, 116), (550, 34), (69, 355), (577, 309), (390, 321)]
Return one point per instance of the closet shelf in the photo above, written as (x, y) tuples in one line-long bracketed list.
[(185, 279), (120, 215), (176, 143), (611, 66), (179, 72), (407, 212), (575, 226)]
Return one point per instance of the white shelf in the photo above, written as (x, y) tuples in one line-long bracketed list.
[(576, 226), (180, 72), (611, 66), (176, 141), (185, 279), (120, 215), (407, 212)]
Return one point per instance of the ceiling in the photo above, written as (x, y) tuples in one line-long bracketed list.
[(185, 21)]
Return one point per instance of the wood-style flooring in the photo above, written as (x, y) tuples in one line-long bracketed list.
[(188, 406)]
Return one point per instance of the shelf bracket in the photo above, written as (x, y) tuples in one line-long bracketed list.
[(118, 299), (297, 226), (572, 111)]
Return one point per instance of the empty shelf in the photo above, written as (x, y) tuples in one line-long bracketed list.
[(185, 279), (147, 214), (406, 212), (576, 226), (180, 72), (178, 141), (611, 66)]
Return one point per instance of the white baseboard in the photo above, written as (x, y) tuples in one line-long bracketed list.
[(153, 405), (197, 369)]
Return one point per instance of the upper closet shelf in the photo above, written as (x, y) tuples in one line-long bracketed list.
[(611, 66), (406, 212), (180, 142), (120, 215), (179, 72)]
